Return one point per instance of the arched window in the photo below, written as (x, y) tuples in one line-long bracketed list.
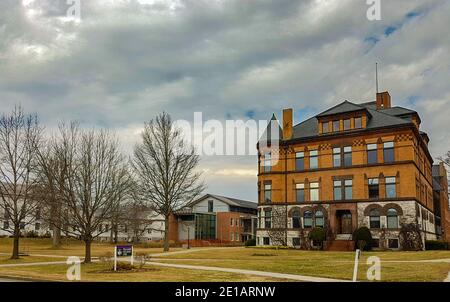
[(374, 218), (307, 219), (319, 219), (296, 224), (392, 219)]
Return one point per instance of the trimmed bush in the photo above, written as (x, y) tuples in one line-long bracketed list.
[(318, 236), (363, 238), (436, 245), (250, 242)]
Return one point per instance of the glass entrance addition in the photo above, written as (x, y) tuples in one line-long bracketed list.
[(205, 226)]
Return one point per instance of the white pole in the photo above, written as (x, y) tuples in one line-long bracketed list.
[(132, 255), (355, 269), (115, 258)]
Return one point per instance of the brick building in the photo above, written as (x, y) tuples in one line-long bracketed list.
[(215, 218), (352, 165), (440, 197)]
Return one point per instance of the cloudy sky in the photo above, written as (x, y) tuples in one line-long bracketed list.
[(125, 61)]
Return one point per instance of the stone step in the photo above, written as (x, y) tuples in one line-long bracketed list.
[(340, 245), (344, 237)]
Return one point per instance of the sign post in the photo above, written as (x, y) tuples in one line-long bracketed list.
[(355, 269), (115, 258), (123, 251)]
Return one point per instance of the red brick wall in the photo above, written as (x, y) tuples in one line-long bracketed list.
[(224, 227)]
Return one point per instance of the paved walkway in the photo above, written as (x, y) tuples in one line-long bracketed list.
[(249, 272), (192, 250)]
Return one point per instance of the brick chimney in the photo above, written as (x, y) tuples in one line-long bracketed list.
[(383, 100), (287, 123)]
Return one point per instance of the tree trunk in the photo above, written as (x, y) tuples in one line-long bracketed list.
[(15, 253), (166, 233), (116, 234), (87, 253), (111, 233), (56, 243), (56, 217)]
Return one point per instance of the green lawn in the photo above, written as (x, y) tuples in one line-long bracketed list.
[(322, 264), (99, 272), (394, 265), (70, 247)]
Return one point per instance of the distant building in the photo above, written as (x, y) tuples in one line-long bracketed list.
[(441, 202), (215, 218)]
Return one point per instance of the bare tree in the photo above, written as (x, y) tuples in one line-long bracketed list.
[(446, 160), (18, 136), (51, 173), (138, 219), (164, 166), (94, 176)]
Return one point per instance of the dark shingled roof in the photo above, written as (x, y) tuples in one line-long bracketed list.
[(267, 136), (343, 107), (377, 118), (229, 200)]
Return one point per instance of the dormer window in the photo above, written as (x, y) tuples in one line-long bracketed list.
[(358, 122), (336, 126), (325, 127), (347, 124)]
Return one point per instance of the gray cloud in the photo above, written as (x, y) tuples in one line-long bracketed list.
[(127, 60)]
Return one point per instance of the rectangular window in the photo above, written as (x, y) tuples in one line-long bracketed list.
[(336, 126), (390, 187), (374, 221), (388, 152), (393, 243), (358, 122), (231, 221), (267, 218), (266, 241), (313, 159), (231, 236), (325, 128), (300, 192), (37, 226), (314, 191), (267, 162), (296, 241), (300, 161), (307, 219), (22, 225), (347, 156), (347, 124), (348, 189), (210, 206), (372, 157), (374, 191), (336, 157), (375, 243), (337, 189), (5, 225), (268, 192)]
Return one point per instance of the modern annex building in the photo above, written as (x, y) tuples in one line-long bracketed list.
[(215, 218), (352, 165)]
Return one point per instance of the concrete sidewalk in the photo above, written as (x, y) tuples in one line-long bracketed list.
[(250, 272)]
